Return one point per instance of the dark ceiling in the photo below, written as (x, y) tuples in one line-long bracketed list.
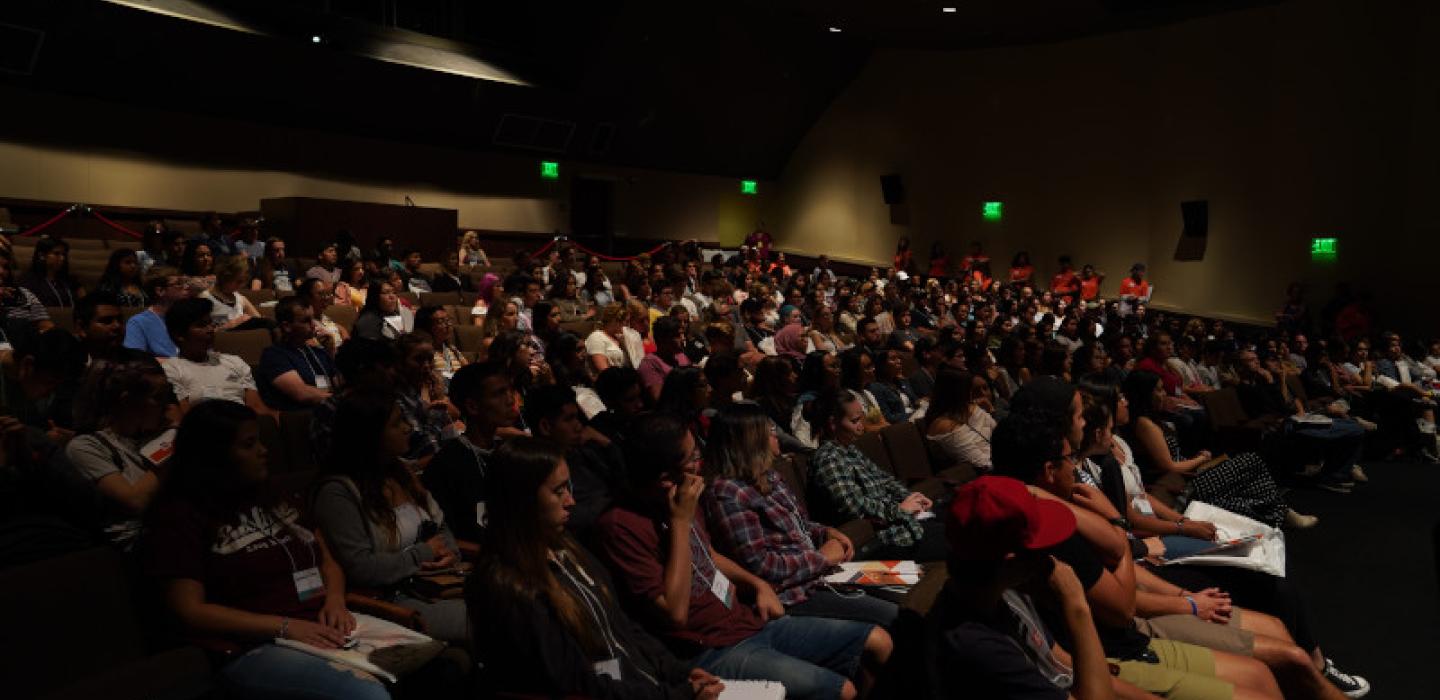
[(717, 88)]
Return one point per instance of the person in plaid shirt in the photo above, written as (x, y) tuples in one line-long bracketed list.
[(905, 527), (756, 520), (706, 607)]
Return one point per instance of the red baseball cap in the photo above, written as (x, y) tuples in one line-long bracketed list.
[(993, 516)]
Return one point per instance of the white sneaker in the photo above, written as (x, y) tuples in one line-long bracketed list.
[(1351, 686), (1297, 521), (1357, 473)]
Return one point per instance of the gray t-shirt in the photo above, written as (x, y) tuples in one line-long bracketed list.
[(94, 456)]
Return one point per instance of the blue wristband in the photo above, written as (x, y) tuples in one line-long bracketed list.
[(1194, 609)]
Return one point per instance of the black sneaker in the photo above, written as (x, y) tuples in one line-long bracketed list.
[(1351, 686)]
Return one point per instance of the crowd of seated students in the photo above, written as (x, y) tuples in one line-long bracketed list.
[(610, 448)]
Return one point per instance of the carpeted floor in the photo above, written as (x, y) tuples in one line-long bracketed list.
[(1369, 573)]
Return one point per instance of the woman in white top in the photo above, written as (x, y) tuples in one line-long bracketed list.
[(822, 333), (1105, 411), (231, 310), (958, 425), (607, 347)]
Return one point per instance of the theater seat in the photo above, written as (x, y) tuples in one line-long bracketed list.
[(439, 298), (791, 468), (906, 448), (295, 436), (258, 296), (469, 338), (247, 344), (72, 631), (342, 314), (873, 446), (62, 317)]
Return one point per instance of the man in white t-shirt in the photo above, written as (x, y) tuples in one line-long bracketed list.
[(198, 373)]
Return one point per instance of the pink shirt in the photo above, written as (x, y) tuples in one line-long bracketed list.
[(653, 369)]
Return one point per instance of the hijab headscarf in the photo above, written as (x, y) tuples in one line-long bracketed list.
[(790, 342)]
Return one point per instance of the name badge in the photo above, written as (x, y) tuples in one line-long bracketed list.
[(720, 586), (322, 382), (610, 668), (159, 449), (308, 583)]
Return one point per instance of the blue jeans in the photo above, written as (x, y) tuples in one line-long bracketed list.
[(860, 606), (1341, 444), (811, 656), (270, 671)]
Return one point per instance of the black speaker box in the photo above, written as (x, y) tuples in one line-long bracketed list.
[(1196, 217), (893, 187)]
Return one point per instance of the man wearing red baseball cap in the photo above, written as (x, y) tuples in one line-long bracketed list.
[(994, 644)]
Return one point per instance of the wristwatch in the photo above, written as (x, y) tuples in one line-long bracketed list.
[(1121, 522)]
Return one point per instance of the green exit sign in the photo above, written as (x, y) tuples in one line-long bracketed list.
[(992, 211), (1323, 249), (749, 187), (549, 170)]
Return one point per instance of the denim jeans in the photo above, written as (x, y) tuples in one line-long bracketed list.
[(1341, 443), (811, 656), (859, 606), (271, 671)]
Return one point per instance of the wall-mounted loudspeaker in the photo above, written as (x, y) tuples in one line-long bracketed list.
[(893, 189), (1195, 227), (1196, 217)]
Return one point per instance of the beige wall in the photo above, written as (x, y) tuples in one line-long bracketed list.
[(1307, 119), (163, 159)]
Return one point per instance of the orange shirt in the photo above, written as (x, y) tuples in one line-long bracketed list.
[(1129, 287), (1090, 288), (1064, 283)]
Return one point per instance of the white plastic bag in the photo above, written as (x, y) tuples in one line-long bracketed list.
[(1266, 555)]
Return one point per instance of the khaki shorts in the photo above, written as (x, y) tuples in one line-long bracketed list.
[(1193, 630), (1185, 672)]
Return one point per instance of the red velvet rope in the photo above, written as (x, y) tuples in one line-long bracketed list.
[(51, 222), (70, 210), (112, 224), (622, 258)]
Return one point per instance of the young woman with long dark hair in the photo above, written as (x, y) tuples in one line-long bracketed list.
[(49, 276), (955, 424), (235, 564), (381, 523), (553, 623), (1241, 484), (122, 279)]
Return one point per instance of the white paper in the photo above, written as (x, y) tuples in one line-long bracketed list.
[(752, 690)]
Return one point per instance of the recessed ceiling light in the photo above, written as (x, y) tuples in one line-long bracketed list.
[(834, 30), (315, 39), (947, 9)]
